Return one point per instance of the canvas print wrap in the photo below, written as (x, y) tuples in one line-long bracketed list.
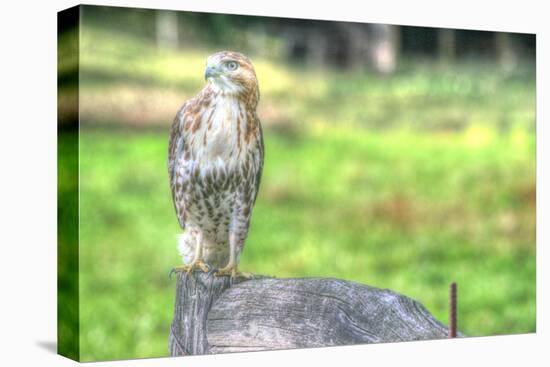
[(230, 183)]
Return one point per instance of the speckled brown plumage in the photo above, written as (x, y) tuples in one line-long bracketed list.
[(215, 163)]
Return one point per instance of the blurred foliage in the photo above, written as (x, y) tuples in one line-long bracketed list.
[(68, 328), (408, 181), (134, 83), (68, 318)]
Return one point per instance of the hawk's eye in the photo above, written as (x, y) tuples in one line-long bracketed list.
[(231, 65)]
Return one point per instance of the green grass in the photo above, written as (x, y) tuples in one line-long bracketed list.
[(407, 182), (405, 211)]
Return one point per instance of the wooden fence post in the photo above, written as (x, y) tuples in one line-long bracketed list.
[(216, 315)]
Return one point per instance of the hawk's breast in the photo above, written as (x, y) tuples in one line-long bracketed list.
[(220, 135), (214, 167)]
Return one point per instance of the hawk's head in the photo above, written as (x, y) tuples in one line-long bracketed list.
[(231, 73)]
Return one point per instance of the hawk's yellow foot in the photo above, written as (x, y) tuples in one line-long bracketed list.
[(233, 272), (189, 269)]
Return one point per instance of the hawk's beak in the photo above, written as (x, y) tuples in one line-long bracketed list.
[(210, 72)]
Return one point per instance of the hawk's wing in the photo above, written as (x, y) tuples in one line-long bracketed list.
[(261, 153), (176, 147)]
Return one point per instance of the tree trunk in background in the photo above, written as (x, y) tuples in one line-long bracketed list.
[(317, 46), (384, 47), (507, 52), (295, 43), (446, 45), (167, 29), (357, 55), (257, 40)]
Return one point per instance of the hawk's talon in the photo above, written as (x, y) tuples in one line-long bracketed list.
[(246, 275), (233, 272), (191, 268), (229, 270)]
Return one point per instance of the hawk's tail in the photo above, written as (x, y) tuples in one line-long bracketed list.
[(214, 254)]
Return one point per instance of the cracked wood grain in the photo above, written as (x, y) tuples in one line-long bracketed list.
[(212, 315)]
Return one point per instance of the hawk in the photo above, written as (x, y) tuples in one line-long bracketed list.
[(215, 160)]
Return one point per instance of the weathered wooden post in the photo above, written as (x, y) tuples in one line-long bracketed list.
[(195, 295), (216, 315)]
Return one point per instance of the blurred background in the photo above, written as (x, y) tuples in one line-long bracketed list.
[(400, 157)]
